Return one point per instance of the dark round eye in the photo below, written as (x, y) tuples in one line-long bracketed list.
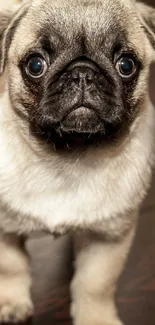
[(36, 67), (126, 67)]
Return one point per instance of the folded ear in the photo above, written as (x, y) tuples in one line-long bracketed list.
[(5, 18), (9, 21), (147, 15)]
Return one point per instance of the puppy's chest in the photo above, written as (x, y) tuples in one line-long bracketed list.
[(62, 200)]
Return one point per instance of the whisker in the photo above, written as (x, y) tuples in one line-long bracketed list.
[(46, 141)]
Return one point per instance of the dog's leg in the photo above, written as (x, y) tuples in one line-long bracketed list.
[(15, 280), (98, 265)]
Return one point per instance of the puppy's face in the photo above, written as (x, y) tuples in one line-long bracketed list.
[(78, 71)]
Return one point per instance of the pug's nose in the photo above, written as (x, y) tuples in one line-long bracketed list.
[(83, 73), (82, 77)]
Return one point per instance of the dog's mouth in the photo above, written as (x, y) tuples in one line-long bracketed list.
[(82, 120), (80, 128)]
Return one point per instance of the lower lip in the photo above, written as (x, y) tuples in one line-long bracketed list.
[(82, 110)]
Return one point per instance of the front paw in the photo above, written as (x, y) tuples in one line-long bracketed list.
[(15, 310)]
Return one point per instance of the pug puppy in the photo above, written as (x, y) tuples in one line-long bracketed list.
[(76, 142)]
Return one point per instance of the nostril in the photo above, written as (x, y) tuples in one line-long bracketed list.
[(75, 73), (90, 75)]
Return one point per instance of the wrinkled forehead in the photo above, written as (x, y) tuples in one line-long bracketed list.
[(68, 20), (79, 12)]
